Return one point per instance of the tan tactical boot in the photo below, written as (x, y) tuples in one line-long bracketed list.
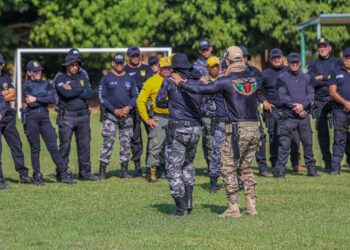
[(250, 206), (232, 211), (153, 174), (299, 169)]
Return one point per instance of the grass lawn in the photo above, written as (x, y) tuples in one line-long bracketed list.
[(298, 212)]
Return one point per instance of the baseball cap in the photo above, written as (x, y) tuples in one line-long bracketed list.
[(118, 58), (34, 66), (323, 41), (152, 60), (165, 62), (133, 51), (234, 53), (276, 52), (293, 57), (346, 52), (213, 60), (204, 44)]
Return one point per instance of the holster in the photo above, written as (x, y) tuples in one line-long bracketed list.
[(330, 119), (315, 111), (59, 119), (103, 115), (214, 123), (24, 115), (267, 117), (235, 140), (282, 129)]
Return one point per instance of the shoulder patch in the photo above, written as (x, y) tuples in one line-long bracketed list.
[(245, 86), (339, 76)]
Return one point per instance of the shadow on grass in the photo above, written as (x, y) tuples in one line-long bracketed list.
[(215, 208), (164, 208)]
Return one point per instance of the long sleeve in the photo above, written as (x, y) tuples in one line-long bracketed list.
[(310, 95), (283, 94), (134, 94), (49, 97), (162, 97), (202, 89), (76, 90), (87, 90), (142, 100), (102, 95)]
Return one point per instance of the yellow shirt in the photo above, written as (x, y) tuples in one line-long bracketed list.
[(150, 89)]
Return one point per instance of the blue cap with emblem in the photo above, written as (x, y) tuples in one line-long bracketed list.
[(204, 44), (323, 41), (293, 57), (133, 51), (346, 52), (118, 58), (1, 59), (34, 66), (276, 52), (74, 52)]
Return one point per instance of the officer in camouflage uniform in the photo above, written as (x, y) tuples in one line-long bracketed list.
[(117, 94), (239, 89), (184, 130), (205, 49)]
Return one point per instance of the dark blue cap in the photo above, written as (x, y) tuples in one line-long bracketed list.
[(1, 59), (70, 59), (293, 57), (118, 58), (245, 52), (180, 61), (276, 52), (204, 44), (34, 66), (74, 52), (152, 60), (133, 51), (323, 41), (346, 52)]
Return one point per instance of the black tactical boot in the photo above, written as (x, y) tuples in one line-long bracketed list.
[(188, 197), (124, 170), (161, 172), (38, 179), (87, 177), (181, 208), (102, 171), (25, 179), (138, 170), (311, 171), (214, 187), (65, 177), (2, 184)]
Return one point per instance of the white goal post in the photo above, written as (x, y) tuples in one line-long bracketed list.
[(17, 78)]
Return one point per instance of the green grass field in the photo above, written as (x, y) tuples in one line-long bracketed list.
[(298, 212)]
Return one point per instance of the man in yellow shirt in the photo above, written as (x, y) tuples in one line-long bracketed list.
[(158, 122)]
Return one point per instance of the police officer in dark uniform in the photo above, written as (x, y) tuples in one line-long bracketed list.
[(260, 155), (153, 62), (296, 95), (73, 90), (141, 73), (271, 105), (184, 131), (322, 109), (117, 94), (8, 125), (4, 107), (339, 90), (205, 49), (37, 95)]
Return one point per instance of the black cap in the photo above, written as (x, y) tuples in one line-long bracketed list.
[(70, 59), (2, 59), (133, 51), (245, 52), (74, 52), (180, 61), (224, 64), (293, 57), (276, 52), (204, 44), (346, 52), (152, 60), (34, 66), (323, 41), (118, 58)]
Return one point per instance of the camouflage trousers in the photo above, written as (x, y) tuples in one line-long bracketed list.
[(207, 139), (181, 150), (231, 167), (156, 142), (218, 138), (111, 126)]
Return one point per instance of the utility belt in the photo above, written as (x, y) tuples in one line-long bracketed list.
[(214, 126), (233, 128), (37, 110), (161, 115), (183, 124), (74, 113)]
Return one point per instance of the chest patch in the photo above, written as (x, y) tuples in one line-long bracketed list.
[(143, 73), (245, 86), (5, 86)]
